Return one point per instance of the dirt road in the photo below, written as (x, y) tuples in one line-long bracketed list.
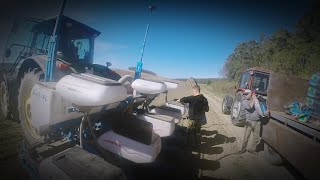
[(10, 139), (237, 166)]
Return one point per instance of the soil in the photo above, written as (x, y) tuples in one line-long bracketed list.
[(10, 140)]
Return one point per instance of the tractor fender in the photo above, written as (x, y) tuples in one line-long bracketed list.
[(24, 65), (33, 62), (241, 90), (37, 61)]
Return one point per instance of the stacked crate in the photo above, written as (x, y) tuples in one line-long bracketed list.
[(313, 98)]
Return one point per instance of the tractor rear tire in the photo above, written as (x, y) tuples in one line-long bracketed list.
[(27, 82), (226, 104), (237, 112), (4, 100)]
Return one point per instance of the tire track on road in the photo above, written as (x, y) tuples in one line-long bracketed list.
[(216, 101)]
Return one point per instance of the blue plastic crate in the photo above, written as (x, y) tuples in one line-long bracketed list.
[(312, 102), (315, 79)]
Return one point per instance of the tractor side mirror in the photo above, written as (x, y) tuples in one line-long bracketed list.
[(108, 64), (8, 53)]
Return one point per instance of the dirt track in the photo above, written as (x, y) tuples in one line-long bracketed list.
[(237, 166), (10, 139)]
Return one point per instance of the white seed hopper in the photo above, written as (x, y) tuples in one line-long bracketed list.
[(129, 149), (90, 90), (168, 111), (162, 125), (56, 102), (149, 87), (171, 85), (177, 105)]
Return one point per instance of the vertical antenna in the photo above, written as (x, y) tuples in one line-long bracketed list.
[(51, 62), (137, 74)]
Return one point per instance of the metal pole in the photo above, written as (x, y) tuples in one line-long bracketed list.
[(137, 74), (146, 34), (51, 62)]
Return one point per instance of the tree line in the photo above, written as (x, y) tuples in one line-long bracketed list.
[(292, 53)]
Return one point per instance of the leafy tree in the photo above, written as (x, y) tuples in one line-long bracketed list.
[(293, 53)]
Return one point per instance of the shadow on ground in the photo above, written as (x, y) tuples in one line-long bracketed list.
[(10, 140), (216, 140), (179, 161)]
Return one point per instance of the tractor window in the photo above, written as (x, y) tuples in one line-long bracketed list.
[(76, 50), (42, 42), (260, 82), (83, 47), (18, 42), (244, 81)]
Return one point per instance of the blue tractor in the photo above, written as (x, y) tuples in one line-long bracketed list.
[(24, 66), (26, 54)]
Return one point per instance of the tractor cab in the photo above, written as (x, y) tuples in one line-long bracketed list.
[(256, 79), (31, 37), (76, 40), (27, 49), (75, 48)]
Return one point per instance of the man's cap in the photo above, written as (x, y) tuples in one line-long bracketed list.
[(247, 91)]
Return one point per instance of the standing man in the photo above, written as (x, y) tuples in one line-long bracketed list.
[(198, 105), (250, 104)]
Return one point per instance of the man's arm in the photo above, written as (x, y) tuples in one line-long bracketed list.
[(185, 99)]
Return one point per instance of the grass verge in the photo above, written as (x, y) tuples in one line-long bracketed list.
[(221, 87)]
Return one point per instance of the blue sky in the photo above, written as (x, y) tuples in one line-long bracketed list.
[(186, 38)]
